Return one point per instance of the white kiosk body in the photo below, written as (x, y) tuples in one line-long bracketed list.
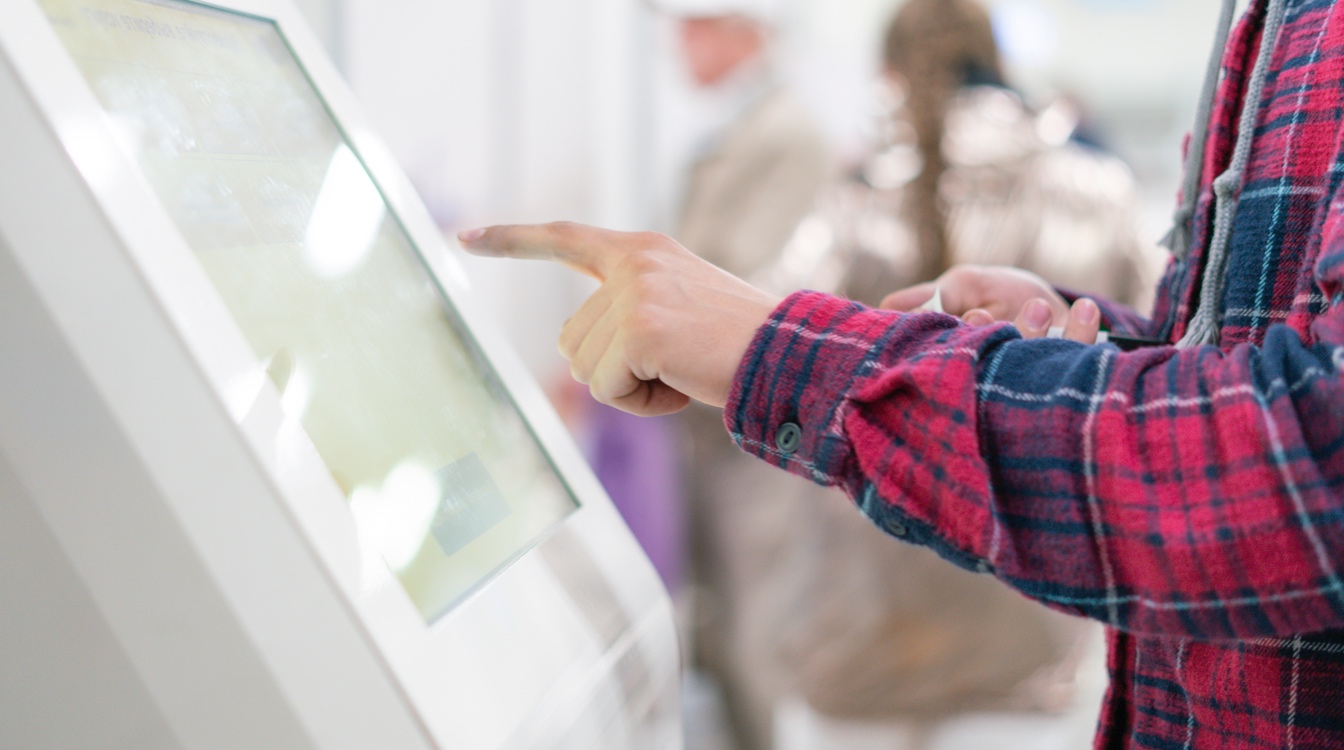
[(264, 481)]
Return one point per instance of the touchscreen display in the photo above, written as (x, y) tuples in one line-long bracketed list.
[(445, 481)]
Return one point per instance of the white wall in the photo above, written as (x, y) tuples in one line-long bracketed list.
[(511, 111)]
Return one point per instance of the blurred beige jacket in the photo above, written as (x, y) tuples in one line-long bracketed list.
[(745, 197), (1016, 192), (762, 175)]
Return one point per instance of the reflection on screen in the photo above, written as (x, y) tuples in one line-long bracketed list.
[(444, 480)]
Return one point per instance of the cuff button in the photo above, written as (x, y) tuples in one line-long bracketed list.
[(789, 438)]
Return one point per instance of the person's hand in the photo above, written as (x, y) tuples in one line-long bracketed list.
[(664, 327), (981, 295)]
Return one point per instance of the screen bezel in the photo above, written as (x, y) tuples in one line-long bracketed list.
[(437, 606), (406, 643)]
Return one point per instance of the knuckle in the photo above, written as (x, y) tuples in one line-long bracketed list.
[(564, 231), (640, 266), (569, 342), (605, 389), (656, 241), (646, 286), (957, 278), (969, 274), (580, 372)]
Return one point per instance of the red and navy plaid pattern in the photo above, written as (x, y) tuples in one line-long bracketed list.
[(1192, 500)]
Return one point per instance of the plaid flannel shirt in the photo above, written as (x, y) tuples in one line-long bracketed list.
[(1192, 500)]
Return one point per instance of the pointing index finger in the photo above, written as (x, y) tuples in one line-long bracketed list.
[(588, 250)]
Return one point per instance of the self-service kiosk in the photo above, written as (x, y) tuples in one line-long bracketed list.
[(265, 481)]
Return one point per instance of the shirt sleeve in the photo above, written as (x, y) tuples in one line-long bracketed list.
[(1185, 492)]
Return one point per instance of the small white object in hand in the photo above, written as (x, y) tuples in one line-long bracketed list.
[(935, 303), (1057, 332)]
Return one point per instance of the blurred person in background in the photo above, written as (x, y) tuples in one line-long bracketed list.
[(965, 172), (750, 184), (760, 171)]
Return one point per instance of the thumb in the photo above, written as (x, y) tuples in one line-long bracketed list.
[(910, 298)]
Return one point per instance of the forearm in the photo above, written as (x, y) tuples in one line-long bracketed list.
[(1131, 488)]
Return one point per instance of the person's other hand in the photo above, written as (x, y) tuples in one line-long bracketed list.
[(664, 327), (981, 295)]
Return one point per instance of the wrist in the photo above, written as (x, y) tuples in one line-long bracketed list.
[(792, 381)]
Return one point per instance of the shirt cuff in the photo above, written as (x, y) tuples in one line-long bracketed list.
[(824, 375), (788, 400)]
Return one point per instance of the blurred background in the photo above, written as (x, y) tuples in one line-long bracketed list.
[(536, 110)]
